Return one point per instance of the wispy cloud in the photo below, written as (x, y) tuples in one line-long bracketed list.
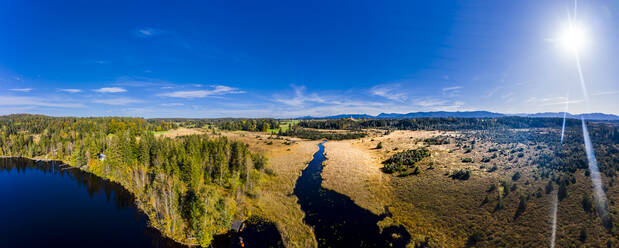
[(217, 90), (35, 101), (429, 102), (507, 95), (452, 91), (549, 101), (391, 92), (71, 90), (110, 90), (137, 81), (22, 90), (174, 104), (603, 93), (493, 91), (148, 32), (302, 102), (117, 101), (300, 97), (438, 104), (454, 88)]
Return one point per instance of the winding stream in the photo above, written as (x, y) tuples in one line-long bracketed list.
[(46, 204), (336, 219)]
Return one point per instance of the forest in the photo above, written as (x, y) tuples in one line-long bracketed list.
[(190, 187), (445, 124)]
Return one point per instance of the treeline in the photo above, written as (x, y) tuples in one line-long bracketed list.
[(445, 124), (266, 125), (331, 124), (312, 134), (190, 187), (252, 125), (231, 124)]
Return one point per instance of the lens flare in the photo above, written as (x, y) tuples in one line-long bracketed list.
[(596, 178), (555, 203), (567, 104), (574, 39)]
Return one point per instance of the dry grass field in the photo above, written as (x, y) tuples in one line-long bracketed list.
[(181, 131), (276, 201), (433, 207), (445, 211)]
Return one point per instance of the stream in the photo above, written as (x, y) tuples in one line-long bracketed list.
[(337, 221)]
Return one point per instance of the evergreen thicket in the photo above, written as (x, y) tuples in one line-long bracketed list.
[(190, 187)]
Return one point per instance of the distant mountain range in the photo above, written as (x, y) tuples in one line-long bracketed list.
[(466, 114)]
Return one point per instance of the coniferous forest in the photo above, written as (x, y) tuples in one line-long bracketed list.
[(189, 187)]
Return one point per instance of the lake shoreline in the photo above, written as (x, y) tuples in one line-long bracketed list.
[(137, 206)]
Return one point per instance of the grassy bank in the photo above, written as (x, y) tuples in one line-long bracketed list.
[(276, 202)]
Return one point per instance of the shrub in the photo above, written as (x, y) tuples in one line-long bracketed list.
[(380, 145), (521, 206), (474, 238), (270, 172), (404, 160), (587, 204), (467, 160), (516, 176), (583, 234), (549, 187), (538, 194), (499, 204), (407, 172), (486, 200), (492, 187), (461, 174), (562, 191), (437, 140), (506, 187), (260, 161)]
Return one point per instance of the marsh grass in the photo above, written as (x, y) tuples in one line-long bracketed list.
[(446, 212), (276, 201)]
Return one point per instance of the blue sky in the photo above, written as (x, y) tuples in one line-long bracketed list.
[(296, 58)]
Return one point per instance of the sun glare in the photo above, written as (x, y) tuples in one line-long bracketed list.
[(573, 38)]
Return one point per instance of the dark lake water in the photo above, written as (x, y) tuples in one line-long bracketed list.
[(43, 204), (48, 204), (336, 219)]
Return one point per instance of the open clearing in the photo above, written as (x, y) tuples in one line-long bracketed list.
[(181, 131), (445, 212), (433, 207)]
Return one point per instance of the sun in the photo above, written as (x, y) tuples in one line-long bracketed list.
[(573, 38)]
